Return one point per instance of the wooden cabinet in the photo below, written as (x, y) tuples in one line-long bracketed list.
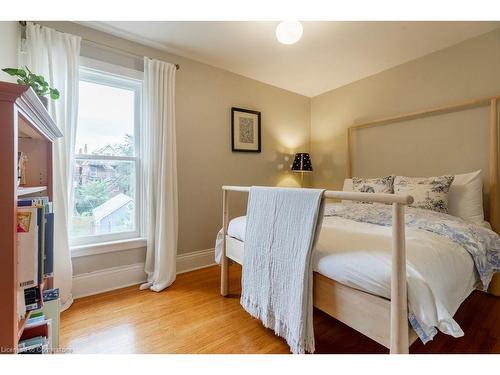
[(25, 125)]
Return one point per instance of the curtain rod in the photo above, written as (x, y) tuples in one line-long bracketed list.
[(123, 51)]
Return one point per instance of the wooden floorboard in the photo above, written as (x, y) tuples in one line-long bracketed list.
[(191, 317)]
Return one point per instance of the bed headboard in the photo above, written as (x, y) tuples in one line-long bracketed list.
[(493, 208)]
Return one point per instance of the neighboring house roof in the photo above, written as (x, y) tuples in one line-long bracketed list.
[(96, 164), (106, 150), (110, 206)]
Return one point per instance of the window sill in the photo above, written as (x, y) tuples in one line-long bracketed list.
[(107, 247)]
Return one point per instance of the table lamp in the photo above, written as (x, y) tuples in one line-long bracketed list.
[(301, 164)]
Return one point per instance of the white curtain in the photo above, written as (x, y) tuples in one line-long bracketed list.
[(160, 173), (56, 55)]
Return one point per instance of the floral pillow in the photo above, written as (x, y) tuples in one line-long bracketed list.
[(373, 185), (430, 193)]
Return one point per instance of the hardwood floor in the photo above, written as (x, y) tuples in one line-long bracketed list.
[(191, 317)]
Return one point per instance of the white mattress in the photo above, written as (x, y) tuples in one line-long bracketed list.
[(440, 273)]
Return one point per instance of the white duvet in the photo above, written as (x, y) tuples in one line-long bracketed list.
[(440, 273)]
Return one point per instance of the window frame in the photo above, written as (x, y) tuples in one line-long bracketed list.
[(98, 72)]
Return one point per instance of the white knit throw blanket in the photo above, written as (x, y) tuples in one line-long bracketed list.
[(277, 280)]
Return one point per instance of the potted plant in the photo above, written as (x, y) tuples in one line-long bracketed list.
[(36, 82)]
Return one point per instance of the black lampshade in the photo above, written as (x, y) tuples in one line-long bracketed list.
[(302, 162)]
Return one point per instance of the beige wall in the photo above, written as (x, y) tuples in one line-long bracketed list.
[(8, 48), (204, 97), (451, 143)]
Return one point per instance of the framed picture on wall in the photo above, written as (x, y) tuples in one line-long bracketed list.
[(245, 130)]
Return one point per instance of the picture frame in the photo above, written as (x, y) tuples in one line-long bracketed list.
[(245, 130)]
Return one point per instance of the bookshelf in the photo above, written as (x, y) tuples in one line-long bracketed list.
[(25, 125)]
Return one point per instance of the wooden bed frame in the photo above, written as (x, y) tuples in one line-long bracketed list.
[(385, 321), (490, 101)]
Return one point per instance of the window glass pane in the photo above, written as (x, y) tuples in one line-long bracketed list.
[(104, 197), (105, 120)]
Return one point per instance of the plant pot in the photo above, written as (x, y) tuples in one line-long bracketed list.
[(44, 100)]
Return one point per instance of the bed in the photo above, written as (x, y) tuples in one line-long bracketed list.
[(394, 283)]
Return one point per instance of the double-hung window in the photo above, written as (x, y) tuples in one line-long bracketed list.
[(106, 169)]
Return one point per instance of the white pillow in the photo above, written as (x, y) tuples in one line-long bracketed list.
[(465, 197)]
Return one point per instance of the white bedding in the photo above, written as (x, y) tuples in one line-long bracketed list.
[(440, 273)]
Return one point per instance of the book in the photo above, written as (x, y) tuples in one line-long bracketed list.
[(29, 344), (49, 245), (39, 329), (27, 246), (41, 241), (36, 329), (35, 317), (45, 234), (36, 314), (34, 306), (34, 201), (50, 294), (35, 320), (33, 298), (35, 345)]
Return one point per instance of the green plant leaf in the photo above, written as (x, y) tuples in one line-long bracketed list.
[(11, 71), (40, 80), (36, 82), (15, 72), (54, 94)]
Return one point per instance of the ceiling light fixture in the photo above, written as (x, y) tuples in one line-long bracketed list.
[(289, 32)]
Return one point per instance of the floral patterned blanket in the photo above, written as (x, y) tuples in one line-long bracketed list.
[(481, 243)]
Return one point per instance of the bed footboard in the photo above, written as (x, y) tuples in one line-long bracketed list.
[(398, 336)]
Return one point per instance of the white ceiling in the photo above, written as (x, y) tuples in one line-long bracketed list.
[(329, 55)]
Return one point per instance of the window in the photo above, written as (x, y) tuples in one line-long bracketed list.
[(106, 188)]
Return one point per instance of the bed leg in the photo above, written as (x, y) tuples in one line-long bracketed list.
[(399, 302), (224, 264), (224, 276)]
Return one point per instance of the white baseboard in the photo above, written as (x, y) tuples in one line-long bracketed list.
[(101, 281), (195, 260)]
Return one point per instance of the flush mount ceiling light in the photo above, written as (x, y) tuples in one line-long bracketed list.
[(289, 32)]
